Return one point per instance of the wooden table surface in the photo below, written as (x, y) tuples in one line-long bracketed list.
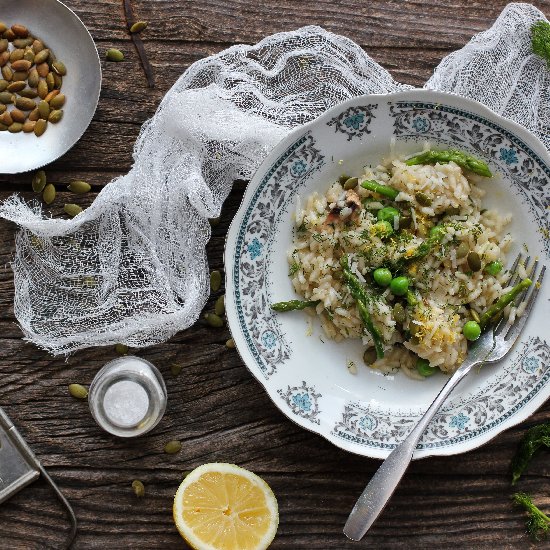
[(215, 406)]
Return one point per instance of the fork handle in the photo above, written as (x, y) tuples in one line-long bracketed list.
[(382, 485)]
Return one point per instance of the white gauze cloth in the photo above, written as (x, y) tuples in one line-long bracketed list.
[(132, 267)]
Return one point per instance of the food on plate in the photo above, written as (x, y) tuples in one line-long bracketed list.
[(225, 507), (406, 258)]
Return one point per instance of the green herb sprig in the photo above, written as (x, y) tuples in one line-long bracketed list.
[(540, 40), (535, 438), (538, 523)]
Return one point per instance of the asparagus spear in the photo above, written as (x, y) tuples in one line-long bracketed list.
[(293, 305), (376, 187), (359, 292), (462, 159), (502, 302), (425, 248)]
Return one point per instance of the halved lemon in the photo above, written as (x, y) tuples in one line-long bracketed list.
[(224, 507)]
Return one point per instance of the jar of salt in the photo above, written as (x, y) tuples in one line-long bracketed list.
[(127, 397)]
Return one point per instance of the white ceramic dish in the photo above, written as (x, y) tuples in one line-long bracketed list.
[(63, 32), (306, 375)]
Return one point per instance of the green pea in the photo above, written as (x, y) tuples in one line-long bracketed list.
[(383, 228), (382, 276), (388, 214), (399, 286), (471, 330), (437, 231), (493, 268), (423, 367)]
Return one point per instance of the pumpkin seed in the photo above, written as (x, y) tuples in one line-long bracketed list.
[(22, 42), (41, 56), (37, 46), (72, 209), (33, 78), (230, 343), (57, 81), (10, 35), (15, 128), (16, 55), (20, 75), (51, 94), (25, 103), (399, 313), (40, 127), (422, 199), (79, 187), (34, 115), (6, 97), (343, 178), (44, 109), (351, 183), (43, 69), (58, 101), (39, 181), (214, 320), (121, 349), (474, 261), (28, 92), (21, 65), (55, 116), (462, 250), (172, 447), (138, 26), (50, 81), (7, 73), (3, 45), (4, 58), (5, 118), (78, 391), (219, 307), (369, 357), (18, 116), (42, 89), (113, 54), (475, 315), (16, 86), (3, 27), (59, 68), (28, 126), (29, 56), (48, 196), (3, 84), (3, 108), (20, 30), (3, 127), (215, 281), (139, 488)]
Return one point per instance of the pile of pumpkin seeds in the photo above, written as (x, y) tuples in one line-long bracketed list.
[(30, 83)]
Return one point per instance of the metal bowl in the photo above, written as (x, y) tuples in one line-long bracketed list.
[(65, 34)]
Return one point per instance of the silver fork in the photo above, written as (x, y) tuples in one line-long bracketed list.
[(492, 346)]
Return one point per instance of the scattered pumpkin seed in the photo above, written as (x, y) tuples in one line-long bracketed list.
[(22, 42), (34, 115), (43, 69), (16, 55), (21, 64), (42, 89), (475, 315), (3, 45), (41, 56), (214, 320), (40, 127), (39, 181), (3, 27), (7, 73), (10, 35), (175, 368), (78, 391), (55, 116), (57, 81), (15, 128), (343, 178), (28, 126), (138, 26), (28, 92), (33, 78), (6, 97), (25, 103), (48, 195), (20, 75), (113, 54), (121, 349), (72, 209), (139, 488), (5, 118), (462, 250), (351, 183), (18, 116), (474, 261), (230, 343), (219, 307), (4, 58), (44, 109), (3, 84), (215, 280), (172, 447), (29, 56), (57, 101), (422, 199), (79, 187), (3, 127), (37, 46), (50, 81), (369, 357), (59, 68), (16, 86), (20, 30), (3, 108)]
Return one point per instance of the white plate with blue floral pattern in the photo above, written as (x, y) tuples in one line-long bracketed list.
[(303, 372)]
